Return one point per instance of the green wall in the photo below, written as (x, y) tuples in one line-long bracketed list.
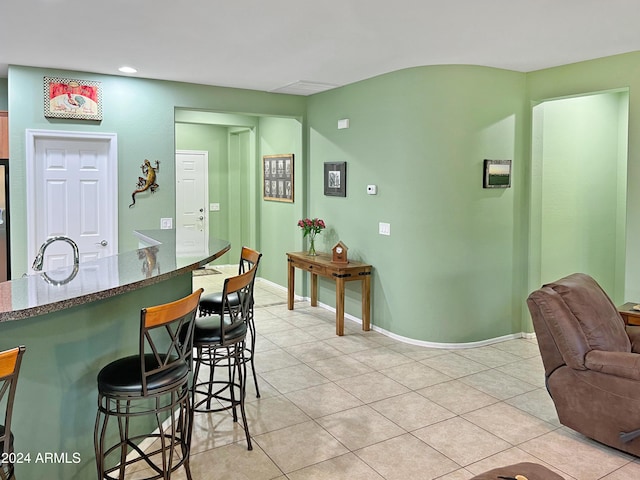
[(582, 175), (450, 271), (619, 72), (278, 219), (141, 112), (460, 260)]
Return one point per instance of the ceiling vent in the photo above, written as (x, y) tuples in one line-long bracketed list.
[(303, 87)]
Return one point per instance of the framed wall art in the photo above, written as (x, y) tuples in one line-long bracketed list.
[(497, 174), (277, 175), (69, 98), (335, 179)]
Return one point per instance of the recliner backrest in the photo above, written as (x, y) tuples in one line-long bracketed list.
[(577, 316)]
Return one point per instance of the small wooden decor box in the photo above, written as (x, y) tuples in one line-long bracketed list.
[(339, 253)]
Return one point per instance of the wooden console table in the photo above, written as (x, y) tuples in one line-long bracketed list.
[(628, 314), (322, 265)]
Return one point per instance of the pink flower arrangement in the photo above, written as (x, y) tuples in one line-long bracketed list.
[(311, 226)]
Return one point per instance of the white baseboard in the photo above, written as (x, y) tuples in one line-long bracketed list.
[(422, 343), (400, 338)]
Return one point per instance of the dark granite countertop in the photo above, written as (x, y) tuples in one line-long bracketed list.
[(103, 278)]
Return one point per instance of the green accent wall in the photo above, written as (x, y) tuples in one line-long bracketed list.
[(619, 72), (460, 260), (141, 112), (450, 271), (278, 220), (584, 187)]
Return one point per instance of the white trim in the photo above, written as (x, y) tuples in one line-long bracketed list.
[(411, 341), (31, 136)]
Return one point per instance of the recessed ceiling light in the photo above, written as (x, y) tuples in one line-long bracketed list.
[(127, 70)]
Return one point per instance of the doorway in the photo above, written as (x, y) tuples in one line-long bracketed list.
[(229, 140), (579, 165), (71, 191)]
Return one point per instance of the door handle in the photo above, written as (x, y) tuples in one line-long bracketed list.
[(104, 243), (201, 217)]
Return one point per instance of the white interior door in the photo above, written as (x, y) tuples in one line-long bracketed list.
[(192, 199), (72, 191)]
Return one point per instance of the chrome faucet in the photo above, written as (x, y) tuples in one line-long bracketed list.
[(37, 263)]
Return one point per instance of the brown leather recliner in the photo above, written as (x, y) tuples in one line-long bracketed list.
[(591, 360)]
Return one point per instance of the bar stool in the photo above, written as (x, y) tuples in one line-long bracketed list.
[(219, 341), (211, 304), (9, 369), (153, 382)]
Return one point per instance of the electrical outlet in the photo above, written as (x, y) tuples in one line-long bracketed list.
[(384, 228), (166, 223)]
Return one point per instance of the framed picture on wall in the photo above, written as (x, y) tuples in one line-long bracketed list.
[(69, 98), (277, 177), (497, 174), (335, 179)]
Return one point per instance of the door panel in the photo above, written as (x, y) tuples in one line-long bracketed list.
[(72, 187), (192, 216)]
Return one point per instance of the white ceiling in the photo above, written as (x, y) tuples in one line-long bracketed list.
[(268, 44)]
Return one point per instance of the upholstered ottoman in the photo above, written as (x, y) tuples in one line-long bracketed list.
[(520, 471)]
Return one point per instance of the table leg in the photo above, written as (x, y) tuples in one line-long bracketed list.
[(366, 302), (291, 281), (340, 306), (314, 290)]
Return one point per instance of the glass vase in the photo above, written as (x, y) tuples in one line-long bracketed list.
[(312, 246)]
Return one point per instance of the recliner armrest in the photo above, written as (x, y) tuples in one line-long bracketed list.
[(633, 332), (620, 364)]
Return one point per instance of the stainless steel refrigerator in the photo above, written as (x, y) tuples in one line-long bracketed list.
[(5, 258)]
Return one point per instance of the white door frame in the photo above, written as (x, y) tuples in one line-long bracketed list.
[(112, 185)]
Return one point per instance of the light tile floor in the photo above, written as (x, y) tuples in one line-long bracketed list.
[(365, 406)]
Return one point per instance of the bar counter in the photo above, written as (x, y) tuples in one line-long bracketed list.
[(74, 321)]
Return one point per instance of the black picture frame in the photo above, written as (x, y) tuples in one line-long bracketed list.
[(277, 177), (497, 174), (335, 179)]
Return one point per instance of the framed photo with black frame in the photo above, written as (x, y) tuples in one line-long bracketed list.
[(277, 177), (497, 174), (335, 179)]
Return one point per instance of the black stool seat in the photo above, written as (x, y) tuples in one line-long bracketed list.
[(208, 331), (124, 376), (212, 303)]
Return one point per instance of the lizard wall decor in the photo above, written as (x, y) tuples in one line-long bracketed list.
[(148, 182)]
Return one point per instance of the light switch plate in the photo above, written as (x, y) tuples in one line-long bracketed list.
[(166, 223), (384, 228), (214, 207)]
